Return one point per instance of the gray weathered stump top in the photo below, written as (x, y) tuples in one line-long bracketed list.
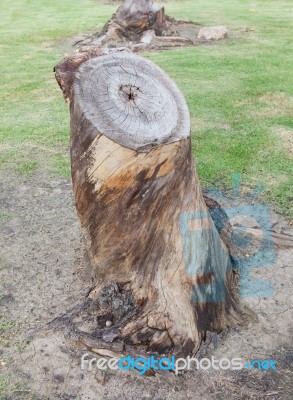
[(131, 101)]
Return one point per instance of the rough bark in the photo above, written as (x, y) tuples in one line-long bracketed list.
[(153, 246)]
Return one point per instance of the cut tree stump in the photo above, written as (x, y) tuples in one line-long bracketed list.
[(138, 24), (163, 276), (138, 15)]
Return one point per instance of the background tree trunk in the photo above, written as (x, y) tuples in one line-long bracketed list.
[(147, 227), (138, 15)]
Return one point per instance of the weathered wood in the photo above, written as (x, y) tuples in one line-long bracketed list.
[(131, 101), (135, 25), (139, 15), (153, 246)]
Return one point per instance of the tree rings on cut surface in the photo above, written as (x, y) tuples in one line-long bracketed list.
[(131, 101)]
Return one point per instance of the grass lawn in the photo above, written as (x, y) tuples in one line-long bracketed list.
[(239, 92)]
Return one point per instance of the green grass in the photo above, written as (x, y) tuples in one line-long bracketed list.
[(239, 92), (8, 331), (4, 382), (4, 215), (3, 264), (19, 391)]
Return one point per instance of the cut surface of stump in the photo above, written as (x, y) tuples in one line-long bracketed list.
[(163, 276), (132, 102)]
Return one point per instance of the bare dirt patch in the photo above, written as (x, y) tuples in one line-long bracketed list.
[(43, 274), (286, 134), (275, 104)]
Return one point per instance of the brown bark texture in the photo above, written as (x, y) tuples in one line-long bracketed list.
[(146, 223)]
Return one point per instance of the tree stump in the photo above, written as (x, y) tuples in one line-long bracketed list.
[(136, 24), (147, 227), (138, 15)]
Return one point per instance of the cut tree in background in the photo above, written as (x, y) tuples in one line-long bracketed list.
[(136, 25), (140, 15), (162, 274)]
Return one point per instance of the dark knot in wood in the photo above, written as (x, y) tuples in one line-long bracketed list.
[(129, 92)]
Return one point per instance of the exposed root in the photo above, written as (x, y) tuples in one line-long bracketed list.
[(110, 318), (116, 34)]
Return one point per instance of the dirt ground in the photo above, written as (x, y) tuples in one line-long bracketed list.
[(43, 274)]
